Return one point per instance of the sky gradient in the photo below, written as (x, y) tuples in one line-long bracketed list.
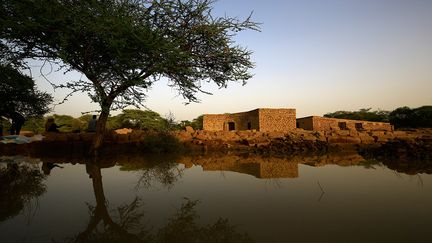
[(317, 56)]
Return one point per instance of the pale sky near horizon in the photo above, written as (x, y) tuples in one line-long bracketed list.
[(317, 56)]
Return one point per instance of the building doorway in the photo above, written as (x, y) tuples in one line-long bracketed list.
[(249, 126), (231, 126)]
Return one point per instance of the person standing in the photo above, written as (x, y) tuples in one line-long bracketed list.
[(92, 124), (17, 122)]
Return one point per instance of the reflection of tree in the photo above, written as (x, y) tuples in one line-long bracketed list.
[(127, 224), (182, 227), (410, 167), (111, 230), (163, 170), (19, 185)]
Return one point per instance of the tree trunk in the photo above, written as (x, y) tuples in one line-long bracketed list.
[(100, 130)]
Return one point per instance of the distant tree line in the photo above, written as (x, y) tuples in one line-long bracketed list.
[(402, 117), (146, 120)]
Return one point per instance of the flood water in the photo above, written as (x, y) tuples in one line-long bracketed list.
[(214, 198)]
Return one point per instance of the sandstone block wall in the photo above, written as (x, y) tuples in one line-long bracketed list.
[(214, 122), (317, 123), (265, 120), (219, 122), (282, 120)]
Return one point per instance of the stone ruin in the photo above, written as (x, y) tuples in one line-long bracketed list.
[(284, 120), (263, 119), (316, 123)]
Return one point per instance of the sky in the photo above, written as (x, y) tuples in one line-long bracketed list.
[(317, 56)]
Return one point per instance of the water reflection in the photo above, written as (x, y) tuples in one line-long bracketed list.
[(20, 185), (267, 167), (129, 227), (235, 209)]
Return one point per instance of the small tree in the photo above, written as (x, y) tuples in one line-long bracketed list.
[(18, 93), (139, 119), (196, 124), (123, 46)]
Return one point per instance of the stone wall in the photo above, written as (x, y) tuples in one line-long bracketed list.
[(242, 120), (281, 120), (317, 123), (265, 120), (215, 122)]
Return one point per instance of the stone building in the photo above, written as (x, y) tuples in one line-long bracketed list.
[(262, 119), (317, 123)]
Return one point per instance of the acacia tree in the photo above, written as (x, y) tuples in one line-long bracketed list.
[(123, 46)]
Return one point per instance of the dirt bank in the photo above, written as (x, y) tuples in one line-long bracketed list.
[(417, 143)]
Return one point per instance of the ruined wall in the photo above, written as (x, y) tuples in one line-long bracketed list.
[(214, 122), (281, 120), (241, 120), (317, 123)]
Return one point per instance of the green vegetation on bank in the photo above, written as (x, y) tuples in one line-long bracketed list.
[(402, 117), (145, 120)]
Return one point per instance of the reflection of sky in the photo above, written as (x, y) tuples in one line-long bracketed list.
[(385, 205), (317, 56)]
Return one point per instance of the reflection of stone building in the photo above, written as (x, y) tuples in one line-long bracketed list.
[(317, 123), (265, 120), (267, 167), (259, 170)]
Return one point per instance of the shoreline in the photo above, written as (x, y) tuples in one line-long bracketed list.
[(410, 143)]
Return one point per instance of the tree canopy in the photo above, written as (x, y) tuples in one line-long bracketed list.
[(18, 93), (405, 117), (402, 117), (362, 114), (139, 119), (123, 46)]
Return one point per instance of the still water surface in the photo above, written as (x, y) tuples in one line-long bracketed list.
[(213, 198)]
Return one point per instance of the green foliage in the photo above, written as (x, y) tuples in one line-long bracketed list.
[(34, 124), (18, 93), (113, 123), (196, 124), (146, 120), (404, 117), (68, 123), (143, 120), (362, 114)]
